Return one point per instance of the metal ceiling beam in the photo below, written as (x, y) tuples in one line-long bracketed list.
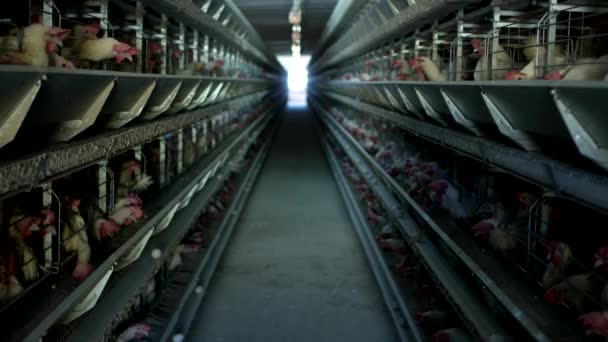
[(341, 16)]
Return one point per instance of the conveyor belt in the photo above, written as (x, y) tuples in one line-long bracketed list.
[(294, 270)]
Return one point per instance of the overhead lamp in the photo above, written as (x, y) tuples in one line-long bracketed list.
[(296, 49), (295, 16)]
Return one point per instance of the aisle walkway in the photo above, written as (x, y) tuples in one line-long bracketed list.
[(294, 270)]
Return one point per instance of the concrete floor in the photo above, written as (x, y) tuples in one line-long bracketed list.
[(294, 270)]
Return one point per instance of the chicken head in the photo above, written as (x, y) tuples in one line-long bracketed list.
[(60, 62), (601, 259), (123, 51), (479, 47), (554, 76), (54, 37), (130, 167), (73, 205), (107, 228), (48, 216), (28, 225), (595, 323), (416, 64), (515, 75)]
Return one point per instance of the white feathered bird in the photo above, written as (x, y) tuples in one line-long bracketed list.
[(32, 45), (426, 69), (501, 62), (106, 48)]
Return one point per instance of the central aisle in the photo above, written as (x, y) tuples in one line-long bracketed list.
[(294, 269)]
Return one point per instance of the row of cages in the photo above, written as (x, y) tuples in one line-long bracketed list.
[(501, 40), (32, 99), (146, 315), (545, 254), (67, 224), (119, 35), (562, 121)]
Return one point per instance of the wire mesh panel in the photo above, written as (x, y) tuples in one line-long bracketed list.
[(31, 247)]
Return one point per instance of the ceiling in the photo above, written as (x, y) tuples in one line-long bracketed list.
[(269, 17)]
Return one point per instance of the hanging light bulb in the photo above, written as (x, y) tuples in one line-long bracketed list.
[(295, 19), (296, 36), (296, 49), (295, 14)]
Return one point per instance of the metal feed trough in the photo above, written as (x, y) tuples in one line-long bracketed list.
[(162, 97), (201, 95), (524, 111), (214, 97), (66, 102), (128, 98), (185, 95), (69, 101), (20, 87)]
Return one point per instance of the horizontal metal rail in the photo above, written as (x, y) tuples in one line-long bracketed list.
[(253, 35), (341, 16)]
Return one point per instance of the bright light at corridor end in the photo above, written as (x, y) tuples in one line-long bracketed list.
[(297, 78)]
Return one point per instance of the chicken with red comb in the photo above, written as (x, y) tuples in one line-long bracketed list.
[(20, 230), (513, 75), (448, 198), (595, 323), (106, 48), (136, 331), (31, 45), (131, 179), (559, 258), (576, 292), (501, 61), (126, 215)]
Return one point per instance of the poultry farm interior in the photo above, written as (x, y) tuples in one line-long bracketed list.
[(446, 180)]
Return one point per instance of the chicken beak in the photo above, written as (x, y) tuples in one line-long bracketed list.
[(56, 40)]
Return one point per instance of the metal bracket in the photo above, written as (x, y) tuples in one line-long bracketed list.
[(180, 151), (392, 99), (162, 160), (408, 104), (504, 126), (459, 116), (430, 111), (585, 143)]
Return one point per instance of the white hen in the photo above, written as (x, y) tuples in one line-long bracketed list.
[(106, 48), (428, 70), (501, 62), (32, 47)]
